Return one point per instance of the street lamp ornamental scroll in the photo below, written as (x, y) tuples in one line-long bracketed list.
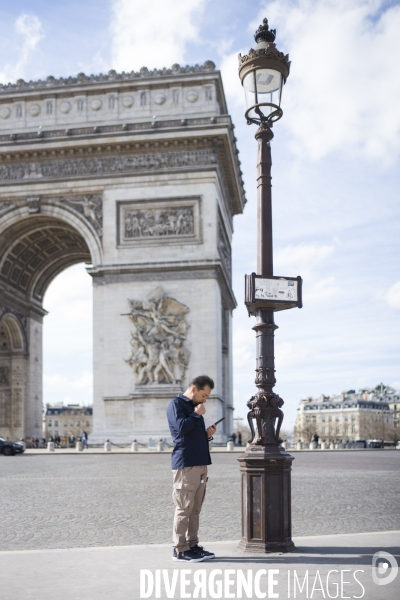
[(266, 466)]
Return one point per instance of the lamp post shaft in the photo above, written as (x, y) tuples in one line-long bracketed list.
[(265, 325), (265, 466), (265, 263)]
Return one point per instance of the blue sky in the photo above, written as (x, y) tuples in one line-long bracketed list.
[(335, 173)]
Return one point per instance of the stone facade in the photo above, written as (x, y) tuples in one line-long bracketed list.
[(349, 416), (67, 420), (137, 175)]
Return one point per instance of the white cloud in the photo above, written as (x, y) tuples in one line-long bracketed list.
[(304, 259), (232, 86), (343, 91), (393, 296), (58, 388), (153, 34), (29, 32), (243, 342), (70, 295), (289, 355)]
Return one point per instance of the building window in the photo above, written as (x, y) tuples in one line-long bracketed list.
[(314, 419), (337, 429), (55, 423), (323, 418), (78, 423), (330, 418), (336, 418), (87, 424), (71, 423), (323, 430), (50, 424)]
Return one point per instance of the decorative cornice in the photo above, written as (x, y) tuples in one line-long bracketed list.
[(99, 131), (111, 76)]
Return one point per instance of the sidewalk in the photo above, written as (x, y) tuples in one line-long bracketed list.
[(114, 572), (238, 449)]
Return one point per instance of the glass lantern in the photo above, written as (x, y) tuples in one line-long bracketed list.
[(263, 91)]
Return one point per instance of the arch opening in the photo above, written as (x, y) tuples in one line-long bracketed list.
[(33, 251)]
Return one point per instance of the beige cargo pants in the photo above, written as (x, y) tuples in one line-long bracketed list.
[(188, 495)]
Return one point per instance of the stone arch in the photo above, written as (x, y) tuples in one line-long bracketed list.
[(34, 248), (14, 331)]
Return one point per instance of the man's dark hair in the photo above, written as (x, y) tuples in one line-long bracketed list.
[(201, 381)]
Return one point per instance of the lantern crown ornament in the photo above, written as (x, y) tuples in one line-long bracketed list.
[(263, 72), (264, 34)]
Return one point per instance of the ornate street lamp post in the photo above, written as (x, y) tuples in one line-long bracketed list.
[(266, 466)]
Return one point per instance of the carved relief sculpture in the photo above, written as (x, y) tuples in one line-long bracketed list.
[(159, 355), (90, 206), (158, 222), (27, 171)]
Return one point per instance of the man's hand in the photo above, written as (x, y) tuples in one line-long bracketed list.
[(211, 430), (199, 409)]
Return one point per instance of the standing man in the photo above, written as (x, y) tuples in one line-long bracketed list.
[(84, 440), (190, 458)]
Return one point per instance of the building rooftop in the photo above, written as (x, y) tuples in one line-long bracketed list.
[(352, 399), (70, 409)]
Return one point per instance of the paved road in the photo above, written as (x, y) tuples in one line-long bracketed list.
[(104, 500)]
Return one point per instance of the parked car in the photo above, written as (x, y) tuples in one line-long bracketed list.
[(360, 444), (374, 444), (10, 448)]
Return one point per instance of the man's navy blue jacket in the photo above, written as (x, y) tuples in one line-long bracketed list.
[(188, 433)]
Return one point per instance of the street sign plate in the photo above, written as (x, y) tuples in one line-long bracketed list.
[(275, 293)]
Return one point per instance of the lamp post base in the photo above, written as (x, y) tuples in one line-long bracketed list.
[(266, 499)]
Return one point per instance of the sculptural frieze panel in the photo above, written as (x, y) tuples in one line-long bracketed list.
[(105, 165), (159, 354), (158, 223), (150, 221)]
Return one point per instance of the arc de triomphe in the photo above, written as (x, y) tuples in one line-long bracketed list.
[(137, 175)]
